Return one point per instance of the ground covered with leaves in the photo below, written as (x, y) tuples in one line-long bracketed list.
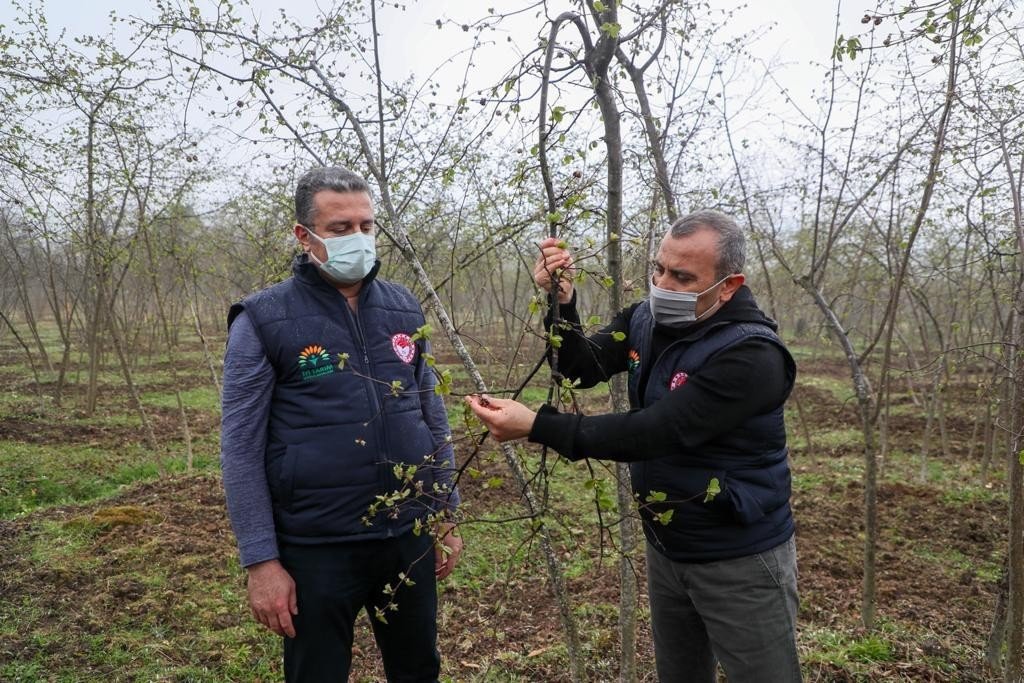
[(141, 581)]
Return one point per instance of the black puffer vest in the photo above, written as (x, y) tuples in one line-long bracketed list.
[(751, 513), (345, 409)]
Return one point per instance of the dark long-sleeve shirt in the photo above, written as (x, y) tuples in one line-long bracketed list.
[(747, 379)]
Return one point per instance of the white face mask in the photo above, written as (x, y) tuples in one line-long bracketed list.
[(677, 309), (349, 257)]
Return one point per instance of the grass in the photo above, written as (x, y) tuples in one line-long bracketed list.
[(853, 655), (183, 622), (41, 475), (954, 563), (200, 398), (840, 388)]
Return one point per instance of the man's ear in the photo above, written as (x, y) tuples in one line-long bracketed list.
[(734, 282), (302, 235)]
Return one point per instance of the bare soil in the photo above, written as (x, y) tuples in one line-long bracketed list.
[(941, 609)]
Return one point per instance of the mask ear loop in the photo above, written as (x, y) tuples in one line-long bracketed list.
[(717, 304), (312, 256)]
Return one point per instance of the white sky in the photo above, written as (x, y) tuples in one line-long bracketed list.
[(802, 33)]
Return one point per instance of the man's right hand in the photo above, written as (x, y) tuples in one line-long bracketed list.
[(553, 257), (272, 597)]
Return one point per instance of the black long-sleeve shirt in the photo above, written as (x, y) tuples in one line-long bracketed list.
[(747, 379)]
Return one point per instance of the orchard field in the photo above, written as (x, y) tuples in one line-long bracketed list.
[(117, 564)]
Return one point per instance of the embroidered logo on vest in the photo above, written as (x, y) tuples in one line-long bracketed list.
[(678, 380), (404, 347), (633, 362), (314, 361)]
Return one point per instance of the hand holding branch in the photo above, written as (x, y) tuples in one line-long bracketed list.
[(504, 418), (554, 259)]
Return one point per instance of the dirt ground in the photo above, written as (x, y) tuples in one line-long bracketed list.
[(936, 595)]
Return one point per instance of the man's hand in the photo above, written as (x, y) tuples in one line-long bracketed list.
[(272, 597), (505, 419), (553, 257), (446, 550)]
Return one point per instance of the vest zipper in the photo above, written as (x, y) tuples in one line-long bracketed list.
[(378, 416)]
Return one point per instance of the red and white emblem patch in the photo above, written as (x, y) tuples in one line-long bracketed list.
[(404, 347), (678, 380)]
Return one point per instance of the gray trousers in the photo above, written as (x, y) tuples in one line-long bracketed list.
[(740, 612)]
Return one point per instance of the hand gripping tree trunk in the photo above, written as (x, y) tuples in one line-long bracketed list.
[(597, 57)]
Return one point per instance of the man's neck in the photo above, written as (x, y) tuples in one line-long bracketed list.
[(351, 293)]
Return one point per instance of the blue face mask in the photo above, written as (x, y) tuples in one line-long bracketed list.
[(349, 257)]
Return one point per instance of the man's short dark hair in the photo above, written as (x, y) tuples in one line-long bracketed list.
[(333, 178), (732, 242)]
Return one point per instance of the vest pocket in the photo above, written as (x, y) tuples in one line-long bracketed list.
[(281, 476)]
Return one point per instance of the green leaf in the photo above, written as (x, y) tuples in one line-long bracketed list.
[(593, 320), (599, 6), (493, 483), (656, 497), (611, 29), (665, 517), (713, 490), (444, 384), (555, 340), (618, 335), (557, 113), (422, 332)]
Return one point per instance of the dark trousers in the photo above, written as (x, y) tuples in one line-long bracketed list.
[(334, 581), (740, 612)]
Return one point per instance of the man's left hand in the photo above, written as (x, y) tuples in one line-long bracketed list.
[(446, 550), (505, 419)]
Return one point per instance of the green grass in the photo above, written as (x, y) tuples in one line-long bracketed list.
[(854, 655), (40, 475), (199, 398), (189, 626), (954, 563), (840, 388)]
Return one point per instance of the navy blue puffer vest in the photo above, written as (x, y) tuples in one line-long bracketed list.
[(336, 433), (752, 512)]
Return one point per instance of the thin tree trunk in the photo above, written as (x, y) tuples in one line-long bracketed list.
[(133, 392), (863, 392)]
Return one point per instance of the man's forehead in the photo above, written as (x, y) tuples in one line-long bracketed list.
[(696, 248)]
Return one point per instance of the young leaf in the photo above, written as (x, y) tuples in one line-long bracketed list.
[(713, 490)]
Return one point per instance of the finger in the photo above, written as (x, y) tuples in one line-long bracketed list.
[(270, 622), (286, 627)]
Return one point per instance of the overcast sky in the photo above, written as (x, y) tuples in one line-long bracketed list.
[(801, 31)]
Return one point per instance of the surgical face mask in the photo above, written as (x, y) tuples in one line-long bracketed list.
[(349, 257), (677, 309)]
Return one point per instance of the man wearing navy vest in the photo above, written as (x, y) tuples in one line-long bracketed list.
[(337, 459), (708, 377)]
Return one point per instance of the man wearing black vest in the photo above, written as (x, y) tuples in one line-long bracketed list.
[(337, 459), (708, 377)]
